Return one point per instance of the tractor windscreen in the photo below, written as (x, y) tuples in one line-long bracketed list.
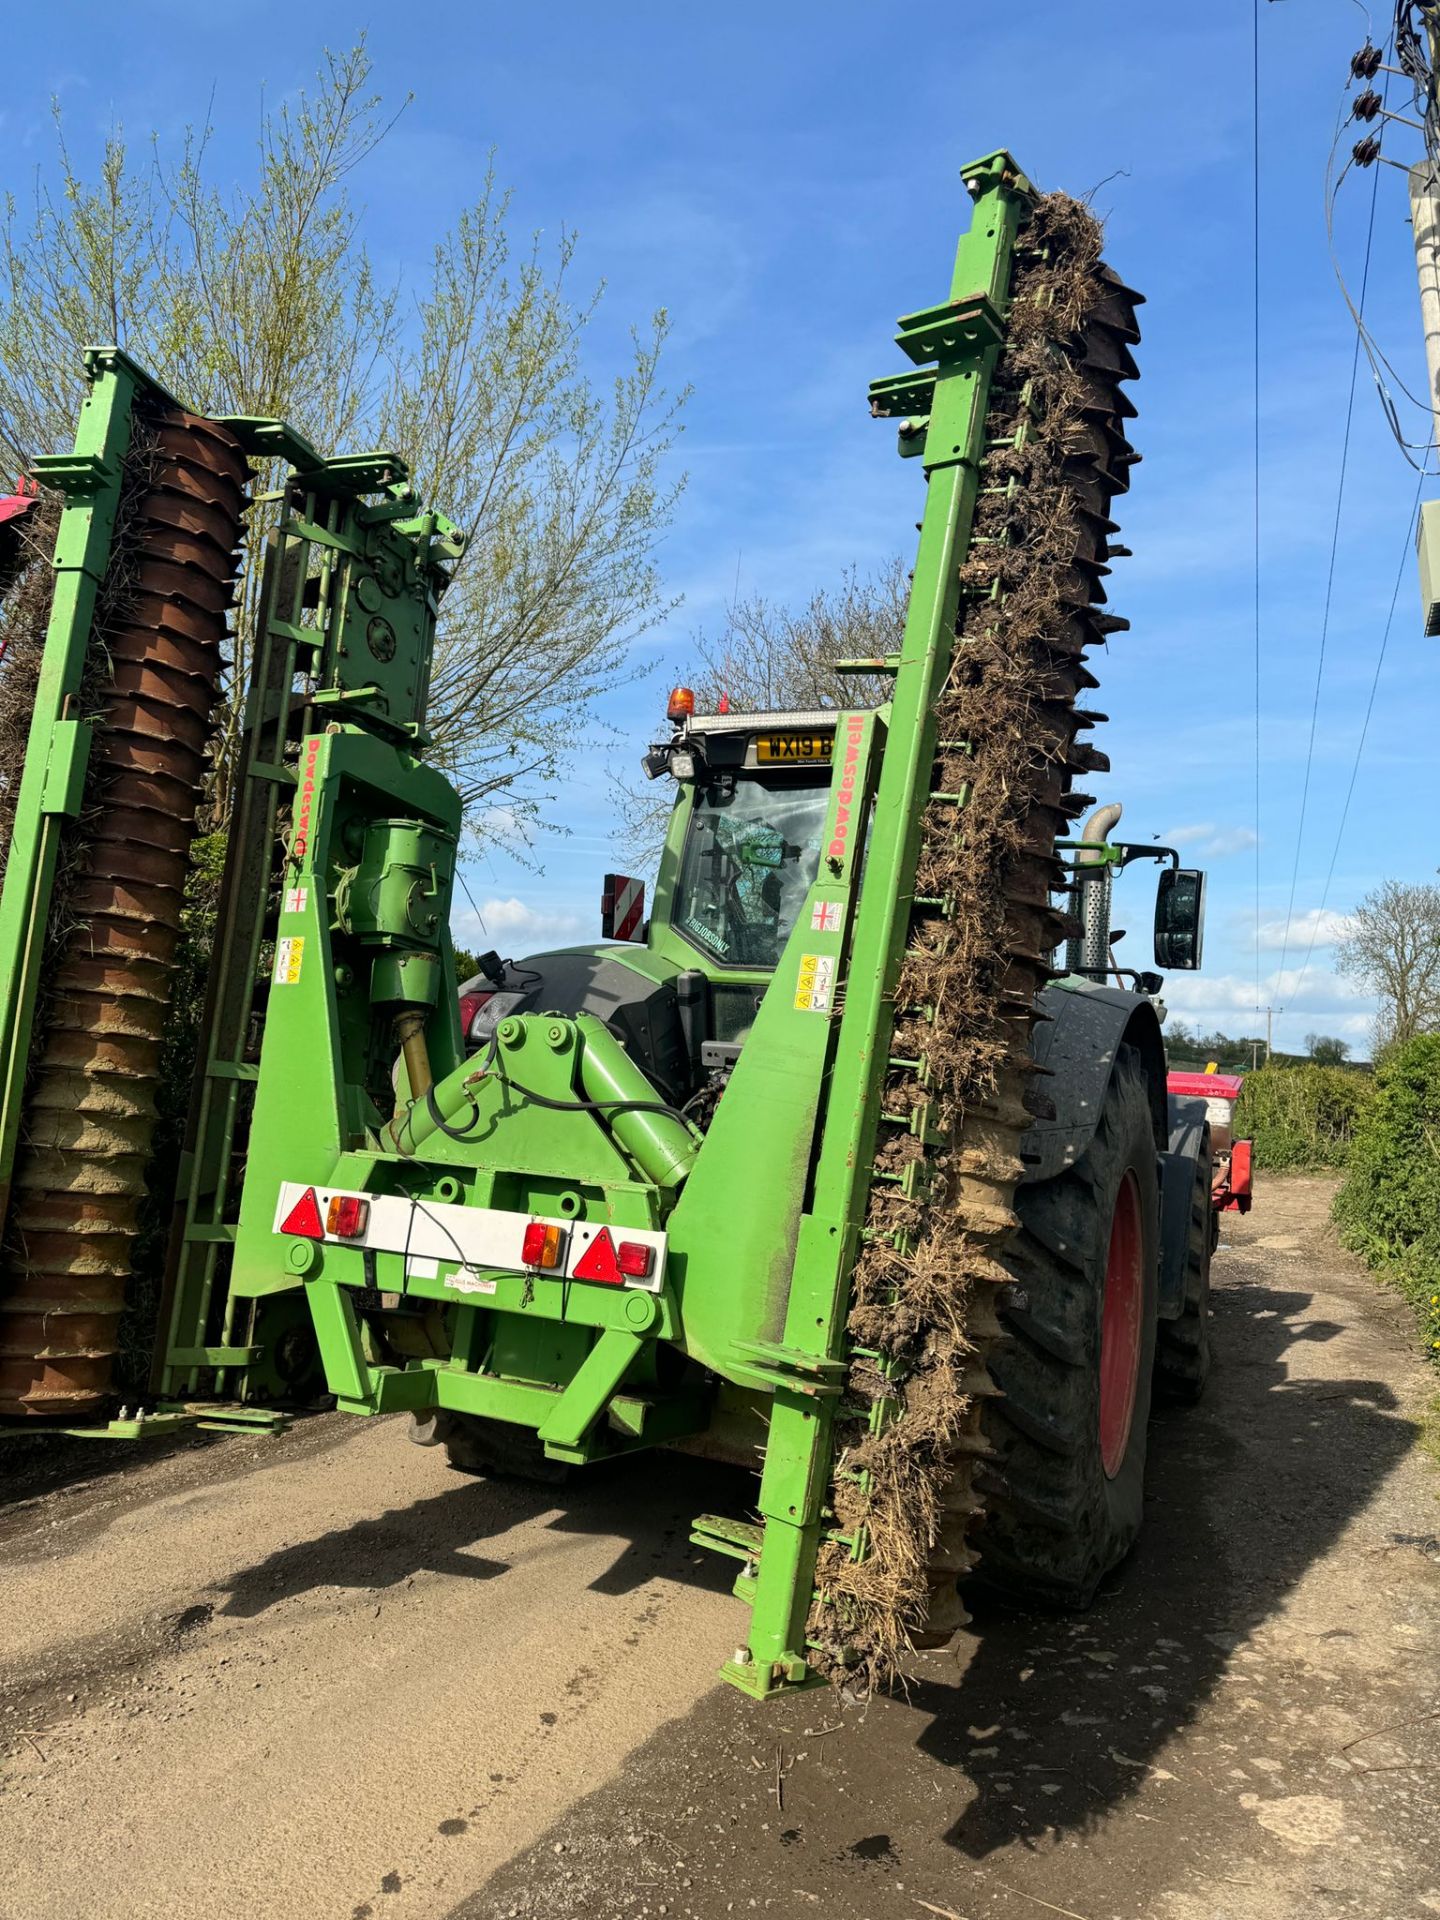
[(751, 856)]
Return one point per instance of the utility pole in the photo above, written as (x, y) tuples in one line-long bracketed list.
[(1416, 52), (1424, 185), (1425, 221)]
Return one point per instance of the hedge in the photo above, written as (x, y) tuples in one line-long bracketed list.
[(1388, 1210), (1304, 1116)]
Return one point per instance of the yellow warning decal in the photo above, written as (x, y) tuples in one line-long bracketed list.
[(289, 958), (814, 985)]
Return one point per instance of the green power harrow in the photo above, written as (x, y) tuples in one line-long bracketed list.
[(535, 1234)]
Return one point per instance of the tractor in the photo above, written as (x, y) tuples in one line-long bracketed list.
[(1109, 1300), (847, 1165)]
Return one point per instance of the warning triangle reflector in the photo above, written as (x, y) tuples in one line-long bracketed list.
[(598, 1262), (304, 1217)]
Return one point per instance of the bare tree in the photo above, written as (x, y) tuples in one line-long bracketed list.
[(259, 297), (768, 658), (1392, 949)]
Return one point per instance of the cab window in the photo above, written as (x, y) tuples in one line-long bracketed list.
[(751, 855)]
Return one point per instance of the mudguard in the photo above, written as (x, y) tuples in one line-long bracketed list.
[(1075, 1046), (1189, 1139), (1085, 1027)]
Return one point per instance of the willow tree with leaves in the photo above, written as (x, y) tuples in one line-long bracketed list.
[(261, 297)]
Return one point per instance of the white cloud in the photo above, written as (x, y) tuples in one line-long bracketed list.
[(1183, 836), (1317, 926), (1324, 1003), (504, 825), (515, 922), (1352, 1026), (1209, 841), (1298, 990), (1289, 1030)]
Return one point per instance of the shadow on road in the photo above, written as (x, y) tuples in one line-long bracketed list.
[(1052, 1724), (647, 1505), (36, 1463), (1243, 1494)]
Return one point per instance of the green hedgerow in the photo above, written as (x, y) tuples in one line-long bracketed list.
[(1302, 1116), (1388, 1210)]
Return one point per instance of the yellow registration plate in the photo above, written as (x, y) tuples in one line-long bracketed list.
[(770, 747)]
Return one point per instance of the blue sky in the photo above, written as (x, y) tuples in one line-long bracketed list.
[(785, 180)]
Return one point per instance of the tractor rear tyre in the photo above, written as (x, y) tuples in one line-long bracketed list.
[(495, 1448), (1066, 1498), (1182, 1349)]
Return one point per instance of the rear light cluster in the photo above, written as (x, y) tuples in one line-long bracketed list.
[(470, 1007), (347, 1216), (608, 1262), (543, 1247)]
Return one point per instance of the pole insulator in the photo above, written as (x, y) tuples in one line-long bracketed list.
[(1365, 64)]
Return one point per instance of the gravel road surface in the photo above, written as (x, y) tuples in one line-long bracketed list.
[(322, 1677)]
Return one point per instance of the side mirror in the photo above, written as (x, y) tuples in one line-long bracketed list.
[(622, 908), (1179, 919)]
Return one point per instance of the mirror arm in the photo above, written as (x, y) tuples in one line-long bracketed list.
[(1130, 850)]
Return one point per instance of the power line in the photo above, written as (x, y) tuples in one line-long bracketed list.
[(471, 898), (1329, 580), (1400, 573), (1255, 102)]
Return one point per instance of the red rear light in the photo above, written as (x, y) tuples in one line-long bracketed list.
[(347, 1216), (470, 1005), (543, 1246), (636, 1260)]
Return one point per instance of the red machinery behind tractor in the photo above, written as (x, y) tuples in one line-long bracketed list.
[(1230, 1158), (14, 510)]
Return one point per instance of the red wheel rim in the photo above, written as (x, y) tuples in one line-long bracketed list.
[(1120, 1326)]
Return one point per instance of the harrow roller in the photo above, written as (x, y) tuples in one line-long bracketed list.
[(934, 1263), (89, 1113)]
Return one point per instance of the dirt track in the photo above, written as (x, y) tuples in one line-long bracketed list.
[(322, 1678)]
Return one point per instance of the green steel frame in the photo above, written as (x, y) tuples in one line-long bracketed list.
[(349, 601), (408, 549)]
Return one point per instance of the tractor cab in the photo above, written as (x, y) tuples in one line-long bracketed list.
[(681, 985), (752, 795)]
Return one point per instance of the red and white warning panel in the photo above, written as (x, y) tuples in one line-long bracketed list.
[(435, 1234), (622, 908)]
